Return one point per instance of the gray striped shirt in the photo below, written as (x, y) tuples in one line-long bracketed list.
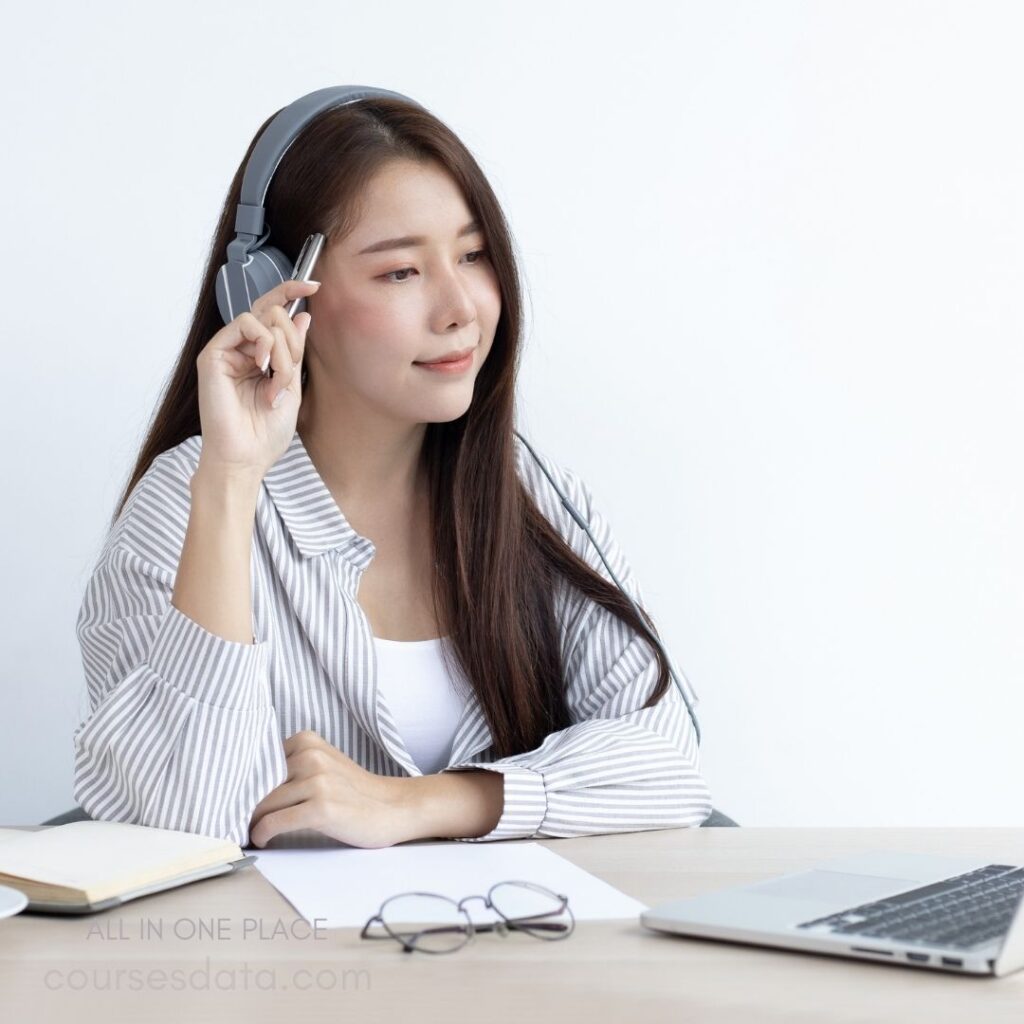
[(185, 728)]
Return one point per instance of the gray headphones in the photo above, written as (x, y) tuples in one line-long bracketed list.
[(253, 268)]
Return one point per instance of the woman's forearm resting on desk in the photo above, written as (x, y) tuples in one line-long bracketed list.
[(327, 791), (599, 776)]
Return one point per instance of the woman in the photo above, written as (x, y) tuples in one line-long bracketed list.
[(344, 597)]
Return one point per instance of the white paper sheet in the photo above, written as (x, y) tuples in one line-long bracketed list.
[(344, 886)]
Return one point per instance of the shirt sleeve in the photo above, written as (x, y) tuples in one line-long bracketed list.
[(181, 732), (620, 767)]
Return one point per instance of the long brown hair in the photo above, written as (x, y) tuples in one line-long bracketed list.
[(497, 556)]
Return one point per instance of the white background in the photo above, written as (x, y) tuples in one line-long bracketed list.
[(785, 237)]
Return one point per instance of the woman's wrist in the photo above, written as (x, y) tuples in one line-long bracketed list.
[(451, 805)]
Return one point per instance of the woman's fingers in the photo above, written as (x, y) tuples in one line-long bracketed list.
[(245, 328), (289, 792), (292, 331), (256, 326), (295, 811), (283, 294), (280, 355), (285, 353)]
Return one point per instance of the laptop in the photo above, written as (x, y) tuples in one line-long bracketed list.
[(959, 914)]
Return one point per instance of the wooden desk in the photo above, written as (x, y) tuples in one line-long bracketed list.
[(65, 969)]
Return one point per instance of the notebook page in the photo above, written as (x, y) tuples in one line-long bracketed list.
[(106, 857)]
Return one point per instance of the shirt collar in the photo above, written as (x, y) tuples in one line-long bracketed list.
[(309, 511)]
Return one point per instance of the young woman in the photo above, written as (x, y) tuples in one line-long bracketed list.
[(344, 597)]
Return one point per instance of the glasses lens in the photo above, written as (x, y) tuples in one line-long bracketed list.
[(430, 923), (533, 908)]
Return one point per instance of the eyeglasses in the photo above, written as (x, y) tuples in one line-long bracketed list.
[(433, 923)]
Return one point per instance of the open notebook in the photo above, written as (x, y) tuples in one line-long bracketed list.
[(86, 866)]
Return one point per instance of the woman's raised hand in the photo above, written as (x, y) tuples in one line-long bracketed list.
[(244, 429)]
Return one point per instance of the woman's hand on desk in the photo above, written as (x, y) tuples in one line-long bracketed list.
[(327, 791)]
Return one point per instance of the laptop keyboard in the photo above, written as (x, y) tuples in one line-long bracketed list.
[(961, 912)]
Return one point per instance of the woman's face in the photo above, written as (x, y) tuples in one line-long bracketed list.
[(377, 313)]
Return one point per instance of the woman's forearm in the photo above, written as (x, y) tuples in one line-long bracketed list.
[(213, 585)]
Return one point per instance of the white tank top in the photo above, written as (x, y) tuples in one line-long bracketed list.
[(425, 702)]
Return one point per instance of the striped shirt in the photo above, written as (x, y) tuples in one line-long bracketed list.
[(185, 728)]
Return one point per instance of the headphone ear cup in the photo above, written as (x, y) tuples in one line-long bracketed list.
[(239, 285)]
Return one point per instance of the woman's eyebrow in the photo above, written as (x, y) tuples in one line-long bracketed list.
[(413, 240)]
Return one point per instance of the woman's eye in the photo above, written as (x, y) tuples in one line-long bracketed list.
[(390, 276)]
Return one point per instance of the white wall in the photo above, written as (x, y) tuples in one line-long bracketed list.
[(788, 234)]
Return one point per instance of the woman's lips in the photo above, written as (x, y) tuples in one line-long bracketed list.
[(452, 366)]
